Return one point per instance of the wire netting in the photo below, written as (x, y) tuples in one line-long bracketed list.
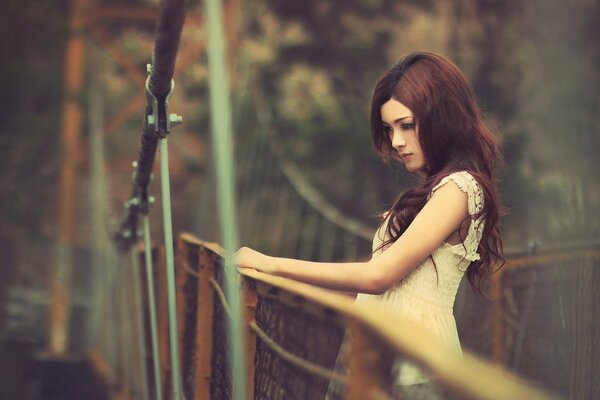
[(548, 323), (313, 336), (276, 199), (220, 384), (190, 312), (555, 340)]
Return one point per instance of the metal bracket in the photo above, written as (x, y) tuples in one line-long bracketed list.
[(160, 117), (141, 199)]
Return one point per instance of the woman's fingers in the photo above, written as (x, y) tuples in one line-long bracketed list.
[(246, 257)]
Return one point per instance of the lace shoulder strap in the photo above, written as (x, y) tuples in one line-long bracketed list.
[(468, 184)]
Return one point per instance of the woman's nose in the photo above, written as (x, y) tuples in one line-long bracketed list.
[(398, 140)]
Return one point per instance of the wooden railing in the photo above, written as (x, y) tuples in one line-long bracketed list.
[(293, 332)]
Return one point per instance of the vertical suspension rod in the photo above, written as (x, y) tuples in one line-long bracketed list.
[(222, 142), (152, 308), (165, 189), (157, 124)]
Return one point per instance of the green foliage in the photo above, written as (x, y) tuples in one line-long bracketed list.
[(535, 75), (558, 98), (323, 60), (32, 37), (313, 64)]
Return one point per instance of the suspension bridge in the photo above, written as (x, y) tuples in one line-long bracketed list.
[(179, 321)]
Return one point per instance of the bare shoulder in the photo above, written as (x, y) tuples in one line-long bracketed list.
[(465, 182), (450, 195)]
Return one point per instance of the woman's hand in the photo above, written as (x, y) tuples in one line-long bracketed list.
[(249, 258)]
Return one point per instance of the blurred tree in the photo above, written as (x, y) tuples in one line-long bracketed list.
[(316, 63), (560, 94), (32, 38), (485, 46), (533, 65), (535, 69)]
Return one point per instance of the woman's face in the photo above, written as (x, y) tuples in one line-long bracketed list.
[(399, 124)]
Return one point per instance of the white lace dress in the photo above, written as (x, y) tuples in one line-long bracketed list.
[(425, 297)]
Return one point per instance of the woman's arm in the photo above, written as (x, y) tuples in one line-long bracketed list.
[(439, 218)]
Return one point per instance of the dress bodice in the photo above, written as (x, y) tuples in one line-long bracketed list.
[(425, 284), (428, 292)]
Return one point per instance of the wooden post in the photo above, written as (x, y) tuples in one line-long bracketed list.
[(250, 300), (60, 308), (370, 365), (181, 277), (187, 280), (584, 368), (204, 324)]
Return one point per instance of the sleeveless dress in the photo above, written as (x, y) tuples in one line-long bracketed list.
[(426, 297)]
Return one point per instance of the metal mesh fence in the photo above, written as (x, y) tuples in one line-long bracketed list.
[(545, 323), (220, 383), (189, 312), (310, 336), (304, 344), (553, 339)]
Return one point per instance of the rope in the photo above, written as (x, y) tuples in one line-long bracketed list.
[(168, 33), (297, 361), (293, 359), (314, 198), (221, 295), (308, 192), (190, 271)]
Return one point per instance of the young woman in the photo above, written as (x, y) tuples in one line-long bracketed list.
[(424, 114)]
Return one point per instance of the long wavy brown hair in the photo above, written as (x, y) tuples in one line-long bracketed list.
[(453, 137)]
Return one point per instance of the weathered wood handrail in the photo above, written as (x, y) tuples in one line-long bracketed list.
[(375, 333)]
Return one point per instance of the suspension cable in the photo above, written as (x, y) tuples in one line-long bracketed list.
[(156, 126), (152, 308)]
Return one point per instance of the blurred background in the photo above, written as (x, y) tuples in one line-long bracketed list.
[(302, 75)]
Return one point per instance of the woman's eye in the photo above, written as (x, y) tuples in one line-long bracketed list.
[(408, 127), (387, 130)]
